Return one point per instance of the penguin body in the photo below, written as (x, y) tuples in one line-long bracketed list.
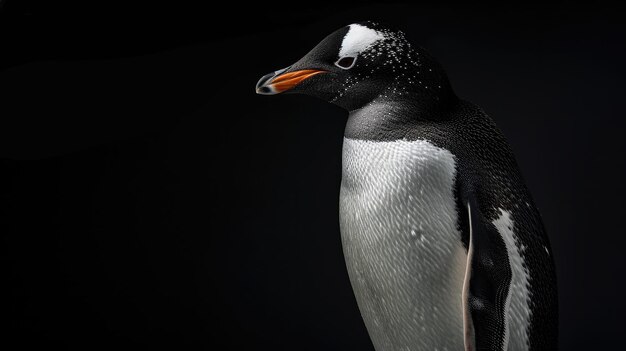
[(512, 267), (444, 247)]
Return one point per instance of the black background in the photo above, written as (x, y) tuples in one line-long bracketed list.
[(151, 199)]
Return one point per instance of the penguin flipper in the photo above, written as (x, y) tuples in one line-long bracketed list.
[(487, 279)]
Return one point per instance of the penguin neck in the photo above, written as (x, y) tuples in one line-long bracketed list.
[(389, 118)]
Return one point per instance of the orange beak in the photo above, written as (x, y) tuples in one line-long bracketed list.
[(278, 82)]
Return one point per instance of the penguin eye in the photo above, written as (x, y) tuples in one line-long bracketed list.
[(346, 62)]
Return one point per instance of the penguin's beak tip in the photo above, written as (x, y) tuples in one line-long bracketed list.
[(264, 86), (263, 90)]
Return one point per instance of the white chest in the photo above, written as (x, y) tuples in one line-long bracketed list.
[(401, 243)]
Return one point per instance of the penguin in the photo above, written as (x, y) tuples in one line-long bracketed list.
[(443, 244)]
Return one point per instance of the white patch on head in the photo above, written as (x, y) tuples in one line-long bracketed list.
[(517, 310), (358, 39)]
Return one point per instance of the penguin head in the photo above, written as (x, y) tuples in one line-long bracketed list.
[(359, 64)]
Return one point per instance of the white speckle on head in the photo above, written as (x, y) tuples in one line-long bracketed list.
[(517, 310), (358, 39), (546, 248)]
